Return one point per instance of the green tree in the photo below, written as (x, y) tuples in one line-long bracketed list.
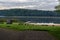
[(58, 7)]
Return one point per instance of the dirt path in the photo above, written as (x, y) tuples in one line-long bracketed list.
[(24, 35)]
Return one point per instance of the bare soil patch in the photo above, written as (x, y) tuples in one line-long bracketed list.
[(6, 34)]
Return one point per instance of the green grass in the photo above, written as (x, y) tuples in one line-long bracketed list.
[(54, 30)]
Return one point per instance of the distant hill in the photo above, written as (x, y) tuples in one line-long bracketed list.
[(27, 12)]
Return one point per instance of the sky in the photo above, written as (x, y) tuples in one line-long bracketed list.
[(29, 4)]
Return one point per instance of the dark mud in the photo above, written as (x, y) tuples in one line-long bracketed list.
[(6, 34)]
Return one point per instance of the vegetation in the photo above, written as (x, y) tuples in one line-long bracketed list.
[(58, 11), (54, 30), (57, 7)]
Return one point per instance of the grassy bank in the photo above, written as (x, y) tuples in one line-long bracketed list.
[(54, 30)]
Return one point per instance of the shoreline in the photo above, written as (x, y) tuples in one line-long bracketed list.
[(48, 24)]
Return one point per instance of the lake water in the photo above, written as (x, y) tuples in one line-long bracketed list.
[(42, 20), (37, 19), (43, 17)]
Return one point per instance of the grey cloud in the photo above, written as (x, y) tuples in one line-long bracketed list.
[(40, 4)]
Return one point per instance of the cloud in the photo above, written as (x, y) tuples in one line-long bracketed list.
[(29, 4)]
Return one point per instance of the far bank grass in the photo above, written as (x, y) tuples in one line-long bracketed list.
[(54, 30), (22, 27)]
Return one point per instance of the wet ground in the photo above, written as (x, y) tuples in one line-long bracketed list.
[(6, 34)]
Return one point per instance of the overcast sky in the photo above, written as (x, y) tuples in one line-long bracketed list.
[(29, 4)]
